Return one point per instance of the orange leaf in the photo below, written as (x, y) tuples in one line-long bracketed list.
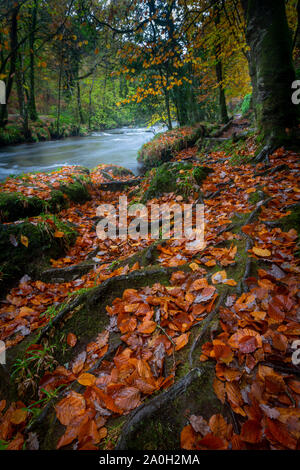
[(19, 416), (86, 379), (188, 438), (70, 407), (58, 234), (181, 341), (251, 431), (71, 340)]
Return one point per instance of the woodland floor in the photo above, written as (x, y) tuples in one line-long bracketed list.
[(160, 347)]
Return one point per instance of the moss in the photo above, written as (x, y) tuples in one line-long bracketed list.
[(292, 220), (161, 148), (161, 431), (170, 177), (77, 191), (14, 206), (16, 259), (254, 198), (201, 173)]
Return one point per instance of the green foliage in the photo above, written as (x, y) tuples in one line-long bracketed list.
[(10, 135), (246, 104)]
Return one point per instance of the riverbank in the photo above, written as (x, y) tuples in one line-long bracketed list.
[(44, 129), (117, 146)]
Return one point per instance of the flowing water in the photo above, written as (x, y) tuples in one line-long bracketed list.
[(117, 146)]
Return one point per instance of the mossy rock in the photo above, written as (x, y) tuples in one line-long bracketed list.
[(179, 178), (15, 206), (200, 174), (77, 191), (16, 259), (163, 146)]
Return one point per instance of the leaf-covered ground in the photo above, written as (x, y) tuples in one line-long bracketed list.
[(249, 263)]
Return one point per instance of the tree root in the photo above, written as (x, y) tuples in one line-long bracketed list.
[(146, 410), (204, 324), (70, 273), (118, 185)]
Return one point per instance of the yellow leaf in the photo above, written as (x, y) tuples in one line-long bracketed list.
[(86, 379), (261, 251), (194, 267), (24, 241)]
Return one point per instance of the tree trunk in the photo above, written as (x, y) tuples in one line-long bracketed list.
[(219, 72), (90, 100), (222, 100), (59, 97), (271, 68), (21, 97), (32, 107), (79, 106), (13, 59)]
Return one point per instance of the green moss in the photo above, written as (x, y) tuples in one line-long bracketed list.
[(292, 220), (161, 431), (161, 148), (16, 259), (14, 206), (201, 173), (169, 177), (77, 191)]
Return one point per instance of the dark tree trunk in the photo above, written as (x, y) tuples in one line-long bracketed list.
[(222, 99), (13, 60), (90, 101), (219, 72), (32, 106), (167, 102), (21, 97), (271, 68)]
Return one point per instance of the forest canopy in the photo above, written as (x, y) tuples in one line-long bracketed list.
[(92, 64)]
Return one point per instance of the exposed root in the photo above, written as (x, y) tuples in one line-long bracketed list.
[(153, 405), (205, 324)]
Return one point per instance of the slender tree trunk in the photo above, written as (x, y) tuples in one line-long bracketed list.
[(271, 68), (32, 106), (21, 98), (59, 97), (13, 59), (219, 72), (90, 100), (167, 102), (79, 106)]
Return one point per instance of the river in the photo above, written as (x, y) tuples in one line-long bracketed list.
[(117, 146)]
